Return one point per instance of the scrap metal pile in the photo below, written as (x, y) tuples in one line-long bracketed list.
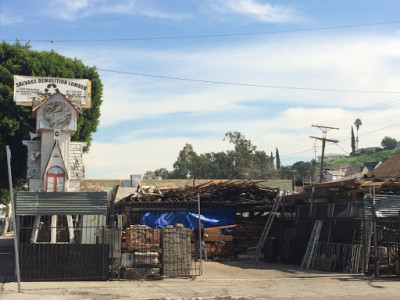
[(228, 193)]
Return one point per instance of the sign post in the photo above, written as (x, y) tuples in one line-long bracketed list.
[(15, 225)]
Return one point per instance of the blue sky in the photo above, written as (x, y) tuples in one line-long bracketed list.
[(146, 120)]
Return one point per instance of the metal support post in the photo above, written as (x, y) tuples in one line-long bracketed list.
[(15, 225)]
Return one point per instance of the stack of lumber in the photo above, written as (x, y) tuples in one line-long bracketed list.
[(140, 237), (248, 232), (218, 246), (228, 193), (176, 249)]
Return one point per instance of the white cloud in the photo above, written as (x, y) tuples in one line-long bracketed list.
[(289, 131), (283, 117), (262, 12), (74, 9), (316, 62), (135, 157), (10, 19)]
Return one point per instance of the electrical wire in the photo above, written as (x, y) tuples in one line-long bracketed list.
[(347, 153), (300, 134), (379, 129), (249, 84), (213, 35), (291, 154)]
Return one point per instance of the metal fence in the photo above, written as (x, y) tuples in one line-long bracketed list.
[(382, 217), (338, 257), (340, 246), (85, 257)]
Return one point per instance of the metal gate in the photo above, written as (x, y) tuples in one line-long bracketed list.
[(61, 236), (158, 238)]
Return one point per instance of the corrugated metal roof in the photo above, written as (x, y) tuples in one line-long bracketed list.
[(70, 203)]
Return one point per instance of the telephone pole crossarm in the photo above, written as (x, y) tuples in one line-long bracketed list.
[(321, 139), (326, 127)]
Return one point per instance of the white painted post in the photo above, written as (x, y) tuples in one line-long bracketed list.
[(71, 229), (53, 232), (35, 230)]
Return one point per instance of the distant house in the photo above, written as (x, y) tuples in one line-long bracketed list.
[(372, 165), (333, 175), (356, 171), (367, 150), (331, 157), (343, 172)]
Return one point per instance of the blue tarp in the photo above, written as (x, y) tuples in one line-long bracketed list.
[(189, 219)]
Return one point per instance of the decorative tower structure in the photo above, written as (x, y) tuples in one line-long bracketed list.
[(54, 162)]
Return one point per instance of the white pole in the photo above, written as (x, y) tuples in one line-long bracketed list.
[(53, 235), (71, 229), (14, 219), (35, 230)]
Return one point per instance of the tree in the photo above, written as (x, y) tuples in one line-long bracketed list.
[(16, 121), (389, 143), (149, 175), (186, 163), (249, 162), (278, 160), (357, 123), (353, 141), (303, 170), (162, 173)]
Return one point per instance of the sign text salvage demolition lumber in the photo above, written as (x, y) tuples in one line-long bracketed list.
[(26, 88)]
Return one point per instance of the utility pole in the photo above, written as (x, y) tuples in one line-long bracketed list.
[(325, 130), (315, 152)]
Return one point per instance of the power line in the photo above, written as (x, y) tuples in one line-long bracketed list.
[(250, 84), (213, 35), (379, 129), (291, 154), (347, 153)]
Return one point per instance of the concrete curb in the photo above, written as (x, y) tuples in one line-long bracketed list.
[(196, 298)]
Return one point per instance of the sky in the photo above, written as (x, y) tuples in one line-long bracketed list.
[(188, 71)]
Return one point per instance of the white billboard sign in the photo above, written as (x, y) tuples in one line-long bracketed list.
[(28, 88)]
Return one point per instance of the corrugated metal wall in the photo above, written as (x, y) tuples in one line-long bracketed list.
[(71, 203)]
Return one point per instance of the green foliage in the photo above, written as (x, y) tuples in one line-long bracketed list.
[(278, 160), (16, 121), (300, 171), (353, 141), (149, 175), (161, 173), (304, 170), (389, 143), (4, 196), (245, 161), (365, 158), (357, 123), (187, 163)]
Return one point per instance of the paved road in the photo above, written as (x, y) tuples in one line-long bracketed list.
[(225, 281)]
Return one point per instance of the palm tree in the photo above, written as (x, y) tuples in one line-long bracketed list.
[(357, 123)]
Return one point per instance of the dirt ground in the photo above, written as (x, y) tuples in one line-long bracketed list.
[(230, 280)]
